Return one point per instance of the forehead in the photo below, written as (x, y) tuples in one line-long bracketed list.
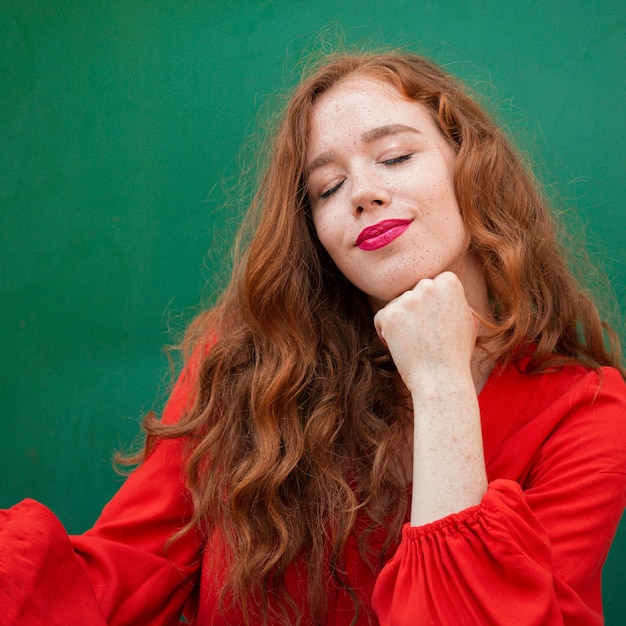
[(365, 95), (357, 104)]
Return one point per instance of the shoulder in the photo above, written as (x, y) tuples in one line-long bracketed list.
[(578, 410), (601, 392), (185, 390), (570, 385)]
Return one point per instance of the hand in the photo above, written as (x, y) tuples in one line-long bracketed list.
[(430, 331)]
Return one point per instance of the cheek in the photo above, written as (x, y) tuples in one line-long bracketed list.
[(331, 235), (328, 231)]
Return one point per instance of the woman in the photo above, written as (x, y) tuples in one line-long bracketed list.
[(402, 410)]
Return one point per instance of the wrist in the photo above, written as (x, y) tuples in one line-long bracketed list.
[(439, 381)]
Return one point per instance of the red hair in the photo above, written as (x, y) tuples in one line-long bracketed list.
[(299, 413)]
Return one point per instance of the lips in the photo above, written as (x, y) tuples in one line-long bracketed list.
[(381, 234)]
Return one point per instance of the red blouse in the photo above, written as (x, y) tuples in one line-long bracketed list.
[(530, 553)]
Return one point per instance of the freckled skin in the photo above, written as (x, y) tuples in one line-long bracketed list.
[(420, 188), (374, 156)]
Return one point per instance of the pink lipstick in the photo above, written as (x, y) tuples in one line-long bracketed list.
[(381, 234)]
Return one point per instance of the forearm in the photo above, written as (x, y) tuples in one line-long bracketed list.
[(448, 461)]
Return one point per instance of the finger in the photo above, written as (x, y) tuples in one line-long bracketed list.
[(379, 331)]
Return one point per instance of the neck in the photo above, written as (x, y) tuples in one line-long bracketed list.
[(475, 287)]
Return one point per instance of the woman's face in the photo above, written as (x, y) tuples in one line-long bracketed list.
[(380, 184)]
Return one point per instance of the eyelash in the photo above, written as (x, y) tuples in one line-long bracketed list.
[(330, 191), (395, 161), (401, 159)]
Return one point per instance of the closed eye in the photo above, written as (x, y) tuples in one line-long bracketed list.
[(331, 191), (400, 159)]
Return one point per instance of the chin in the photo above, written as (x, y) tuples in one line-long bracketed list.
[(381, 298), (379, 301)]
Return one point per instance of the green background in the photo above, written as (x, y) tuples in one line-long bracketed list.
[(121, 132)]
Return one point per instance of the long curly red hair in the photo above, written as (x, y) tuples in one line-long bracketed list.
[(299, 414)]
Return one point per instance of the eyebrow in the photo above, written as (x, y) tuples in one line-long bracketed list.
[(368, 136), (383, 131)]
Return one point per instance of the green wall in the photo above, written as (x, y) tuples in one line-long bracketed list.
[(121, 126)]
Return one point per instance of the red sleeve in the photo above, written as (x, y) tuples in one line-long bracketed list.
[(118, 573), (532, 552)]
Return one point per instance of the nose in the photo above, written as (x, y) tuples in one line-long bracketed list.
[(368, 192)]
